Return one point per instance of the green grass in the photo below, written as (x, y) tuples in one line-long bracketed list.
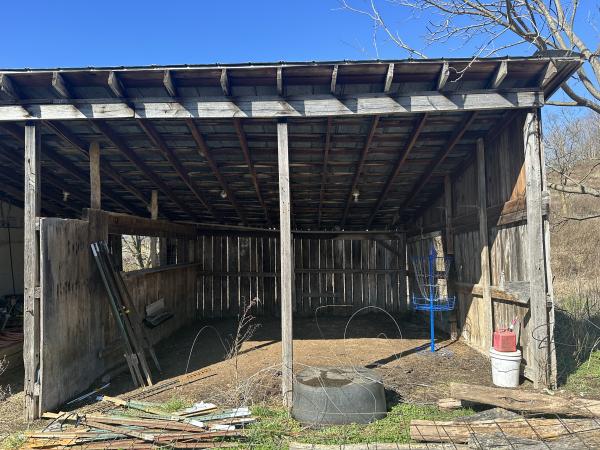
[(174, 404), (13, 441), (586, 378), (275, 429)]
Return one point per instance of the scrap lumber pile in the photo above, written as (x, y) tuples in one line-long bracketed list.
[(143, 425), (558, 422)]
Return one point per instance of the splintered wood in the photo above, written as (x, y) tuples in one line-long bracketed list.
[(143, 425)]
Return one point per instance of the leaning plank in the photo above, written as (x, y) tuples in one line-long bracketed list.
[(459, 432), (274, 106), (525, 401)]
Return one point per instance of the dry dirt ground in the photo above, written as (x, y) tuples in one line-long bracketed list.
[(401, 354)]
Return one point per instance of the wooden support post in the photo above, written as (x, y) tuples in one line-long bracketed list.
[(154, 240), (95, 184), (449, 238), (31, 321), (286, 264), (549, 287), (483, 242), (448, 214), (535, 239)]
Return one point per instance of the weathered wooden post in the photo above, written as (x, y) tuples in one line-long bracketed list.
[(95, 182), (286, 264), (535, 240), (484, 244), (31, 320)]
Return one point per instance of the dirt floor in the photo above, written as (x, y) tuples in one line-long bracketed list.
[(400, 353)]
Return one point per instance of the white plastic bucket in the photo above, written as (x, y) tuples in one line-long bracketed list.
[(506, 368)]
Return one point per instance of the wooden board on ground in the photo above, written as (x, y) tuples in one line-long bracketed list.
[(459, 432), (525, 401)]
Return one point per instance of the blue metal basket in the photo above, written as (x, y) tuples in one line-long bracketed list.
[(431, 274), (438, 304)]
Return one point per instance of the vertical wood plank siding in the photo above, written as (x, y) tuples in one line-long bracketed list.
[(333, 276), (509, 249)]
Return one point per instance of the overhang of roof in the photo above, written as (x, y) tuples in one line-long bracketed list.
[(205, 136)]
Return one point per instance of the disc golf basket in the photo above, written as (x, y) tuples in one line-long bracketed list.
[(431, 273)]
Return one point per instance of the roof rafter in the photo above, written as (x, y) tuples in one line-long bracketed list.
[(324, 170), (389, 78), (60, 85), (443, 76), (116, 85), (48, 177), (169, 84), (334, 74), (224, 80), (405, 152), (205, 153), (359, 167), (105, 166), (8, 87), (499, 75), (67, 165), (118, 143), (239, 129), (181, 171), (437, 161)]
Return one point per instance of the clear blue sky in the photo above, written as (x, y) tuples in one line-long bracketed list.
[(66, 33), (81, 33)]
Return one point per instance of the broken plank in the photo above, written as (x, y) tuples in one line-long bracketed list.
[(525, 401)]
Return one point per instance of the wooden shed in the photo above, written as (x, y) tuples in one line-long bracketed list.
[(305, 184)]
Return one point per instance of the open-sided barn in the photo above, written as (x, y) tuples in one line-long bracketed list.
[(308, 185)]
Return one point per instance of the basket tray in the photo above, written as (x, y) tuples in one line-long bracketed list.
[(439, 304)]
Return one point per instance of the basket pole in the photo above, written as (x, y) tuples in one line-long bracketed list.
[(432, 261)]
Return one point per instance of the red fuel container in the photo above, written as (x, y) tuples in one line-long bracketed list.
[(505, 341)]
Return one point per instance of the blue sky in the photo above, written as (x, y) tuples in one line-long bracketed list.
[(79, 33), (63, 33)]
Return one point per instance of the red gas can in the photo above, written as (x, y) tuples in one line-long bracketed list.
[(505, 340)]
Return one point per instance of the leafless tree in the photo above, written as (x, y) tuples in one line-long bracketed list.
[(573, 160), (136, 252), (496, 25)]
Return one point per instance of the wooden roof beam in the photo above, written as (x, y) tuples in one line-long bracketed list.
[(118, 143), (499, 75), (414, 136), (274, 107), (169, 84), (359, 167), (181, 171), (436, 162), (60, 85), (224, 79), (280, 81), (443, 76), (547, 73), (239, 129), (17, 194), (324, 169), (334, 74), (18, 133), (205, 153), (105, 167), (116, 85), (49, 177), (8, 87), (389, 78)]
